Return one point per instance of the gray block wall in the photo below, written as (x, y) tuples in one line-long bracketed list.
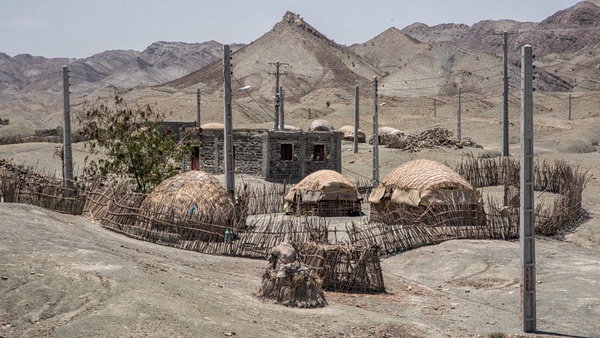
[(258, 153)]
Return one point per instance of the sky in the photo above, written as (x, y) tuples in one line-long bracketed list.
[(82, 28)]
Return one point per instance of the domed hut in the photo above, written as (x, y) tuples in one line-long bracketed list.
[(291, 128), (426, 192), (386, 134), (213, 126), (193, 205), (321, 125), (324, 193), (348, 134)]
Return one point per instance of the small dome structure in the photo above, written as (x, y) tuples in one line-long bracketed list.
[(321, 125), (324, 193), (291, 128), (386, 134), (348, 134), (188, 201), (421, 187), (213, 126)]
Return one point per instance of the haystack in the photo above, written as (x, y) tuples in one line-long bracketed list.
[(386, 134), (193, 204), (288, 281), (426, 192), (324, 193), (348, 134), (321, 125)]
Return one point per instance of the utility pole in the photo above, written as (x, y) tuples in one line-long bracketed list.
[(198, 107), (281, 111), (375, 135), (228, 137), (570, 99), (434, 107), (277, 94), (67, 152), (527, 231), (505, 123), (458, 135), (356, 118)]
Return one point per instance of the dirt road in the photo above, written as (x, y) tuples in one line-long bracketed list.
[(64, 276)]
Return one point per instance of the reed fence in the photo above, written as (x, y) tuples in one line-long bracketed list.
[(348, 259)]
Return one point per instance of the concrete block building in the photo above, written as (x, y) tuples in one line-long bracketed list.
[(278, 156)]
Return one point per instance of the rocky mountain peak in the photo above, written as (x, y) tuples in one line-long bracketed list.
[(583, 14), (294, 20)]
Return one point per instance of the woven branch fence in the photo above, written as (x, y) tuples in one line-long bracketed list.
[(23, 185), (345, 265), (551, 219)]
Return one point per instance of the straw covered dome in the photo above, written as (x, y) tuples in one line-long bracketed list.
[(385, 135), (213, 126), (291, 128), (193, 194), (321, 125), (323, 185), (424, 182), (348, 134)]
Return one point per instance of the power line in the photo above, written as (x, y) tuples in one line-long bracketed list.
[(251, 97)]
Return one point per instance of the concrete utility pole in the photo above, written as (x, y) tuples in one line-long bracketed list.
[(375, 135), (458, 134), (505, 122), (505, 149), (281, 111), (527, 233), (356, 118), (228, 137), (277, 94), (198, 107), (67, 152), (570, 99)]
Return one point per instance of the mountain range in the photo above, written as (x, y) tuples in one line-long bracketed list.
[(417, 61)]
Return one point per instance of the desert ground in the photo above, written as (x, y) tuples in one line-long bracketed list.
[(66, 276)]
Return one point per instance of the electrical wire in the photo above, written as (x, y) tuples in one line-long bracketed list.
[(252, 98)]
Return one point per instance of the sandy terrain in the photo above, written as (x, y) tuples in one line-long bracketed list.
[(64, 276)]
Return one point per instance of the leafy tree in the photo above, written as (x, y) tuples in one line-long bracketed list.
[(132, 142)]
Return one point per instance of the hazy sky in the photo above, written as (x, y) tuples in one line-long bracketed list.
[(81, 28)]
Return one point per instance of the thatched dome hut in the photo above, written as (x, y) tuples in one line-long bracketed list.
[(386, 134), (426, 191), (291, 128), (193, 204), (213, 126), (321, 125), (324, 193), (348, 134)]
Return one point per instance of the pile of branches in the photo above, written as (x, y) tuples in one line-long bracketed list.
[(429, 139)]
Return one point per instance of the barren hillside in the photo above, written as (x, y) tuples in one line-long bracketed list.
[(313, 62), (565, 43)]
